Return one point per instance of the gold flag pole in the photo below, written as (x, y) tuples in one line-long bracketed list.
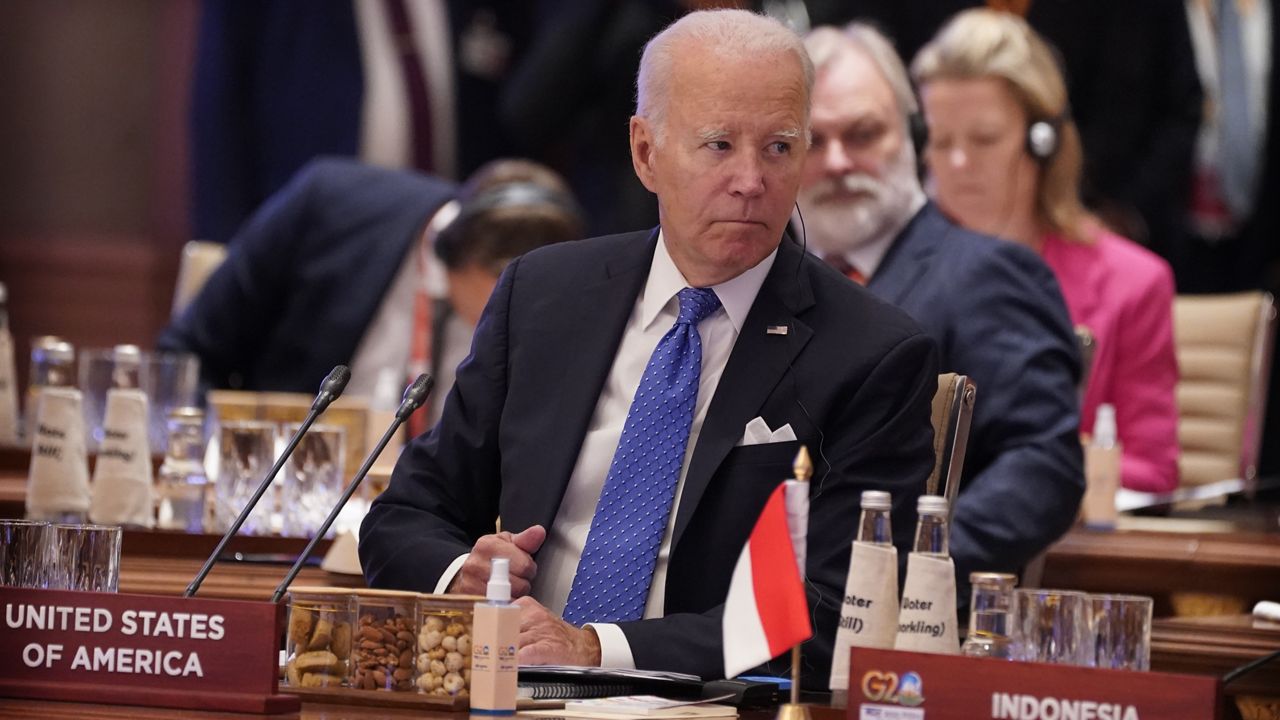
[(803, 469)]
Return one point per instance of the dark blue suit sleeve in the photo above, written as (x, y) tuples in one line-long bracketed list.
[(1024, 470), (232, 317), (444, 490)]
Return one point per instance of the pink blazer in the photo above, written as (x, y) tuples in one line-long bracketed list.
[(1124, 294)]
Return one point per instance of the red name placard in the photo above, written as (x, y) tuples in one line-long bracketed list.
[(892, 685), (141, 650)]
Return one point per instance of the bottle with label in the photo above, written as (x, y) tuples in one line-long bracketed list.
[(873, 525), (52, 365), (495, 640), (990, 620), (126, 367), (181, 498), (933, 531), (8, 378), (1102, 459)]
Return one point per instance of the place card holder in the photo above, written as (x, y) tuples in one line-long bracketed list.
[(153, 650), (897, 685)]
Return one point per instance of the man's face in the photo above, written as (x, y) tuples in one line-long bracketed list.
[(728, 167), (860, 176)]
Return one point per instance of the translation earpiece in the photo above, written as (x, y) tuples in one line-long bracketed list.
[(1042, 139)]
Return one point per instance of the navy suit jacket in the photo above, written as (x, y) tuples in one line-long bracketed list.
[(853, 376), (305, 276), (995, 310)]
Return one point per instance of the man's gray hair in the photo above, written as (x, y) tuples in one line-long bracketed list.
[(826, 45), (734, 33)]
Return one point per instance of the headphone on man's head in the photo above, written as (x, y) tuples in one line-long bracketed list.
[(918, 130), (508, 194)]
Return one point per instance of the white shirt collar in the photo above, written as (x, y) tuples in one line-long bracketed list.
[(665, 280)]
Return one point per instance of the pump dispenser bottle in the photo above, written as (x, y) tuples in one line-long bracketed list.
[(495, 640), (1102, 461)]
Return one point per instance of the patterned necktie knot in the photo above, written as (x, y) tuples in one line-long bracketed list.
[(696, 304)]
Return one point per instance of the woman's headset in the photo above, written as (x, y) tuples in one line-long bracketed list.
[(1042, 136)]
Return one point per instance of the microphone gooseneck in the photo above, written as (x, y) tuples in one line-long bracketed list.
[(330, 389), (414, 396)]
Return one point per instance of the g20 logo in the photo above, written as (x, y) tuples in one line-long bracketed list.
[(888, 687)]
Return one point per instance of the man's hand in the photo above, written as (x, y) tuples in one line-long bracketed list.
[(473, 576), (547, 640)]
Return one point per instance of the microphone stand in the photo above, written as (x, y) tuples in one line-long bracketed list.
[(330, 389), (414, 396)]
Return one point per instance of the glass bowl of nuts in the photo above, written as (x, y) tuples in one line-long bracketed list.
[(444, 644), (318, 642)]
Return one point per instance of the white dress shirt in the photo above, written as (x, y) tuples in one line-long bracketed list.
[(385, 124), (655, 313), (381, 358)]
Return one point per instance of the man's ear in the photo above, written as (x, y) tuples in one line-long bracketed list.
[(642, 147)]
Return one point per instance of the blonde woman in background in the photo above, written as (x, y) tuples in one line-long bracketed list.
[(1005, 159)]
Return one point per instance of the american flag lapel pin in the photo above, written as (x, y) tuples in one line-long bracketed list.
[(776, 330)]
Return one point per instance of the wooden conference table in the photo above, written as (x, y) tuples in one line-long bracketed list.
[(1163, 560)]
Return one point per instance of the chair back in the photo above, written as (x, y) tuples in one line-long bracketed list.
[(952, 412), (1223, 345), (199, 259)]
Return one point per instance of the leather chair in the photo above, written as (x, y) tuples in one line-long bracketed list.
[(952, 412), (199, 259), (1223, 343)]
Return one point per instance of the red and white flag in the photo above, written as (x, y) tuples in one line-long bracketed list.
[(766, 612)]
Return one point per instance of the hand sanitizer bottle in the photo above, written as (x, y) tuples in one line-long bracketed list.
[(1102, 460), (495, 640)]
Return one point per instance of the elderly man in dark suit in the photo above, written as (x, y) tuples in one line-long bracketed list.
[(993, 306), (710, 324)]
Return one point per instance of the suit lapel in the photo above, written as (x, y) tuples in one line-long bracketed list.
[(758, 362), (909, 258), (605, 302)]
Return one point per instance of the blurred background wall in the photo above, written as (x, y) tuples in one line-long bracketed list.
[(93, 166)]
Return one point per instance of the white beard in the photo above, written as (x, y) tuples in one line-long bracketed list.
[(836, 223)]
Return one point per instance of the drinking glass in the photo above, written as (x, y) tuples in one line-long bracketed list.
[(170, 380), (246, 452), (85, 558), (24, 553), (313, 478), (1052, 626), (1121, 629)]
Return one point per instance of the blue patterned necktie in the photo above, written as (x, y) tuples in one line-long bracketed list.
[(612, 582)]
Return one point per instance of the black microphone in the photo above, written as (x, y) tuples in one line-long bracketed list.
[(330, 389), (414, 396)]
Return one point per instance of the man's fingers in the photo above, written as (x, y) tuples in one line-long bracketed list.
[(530, 539)]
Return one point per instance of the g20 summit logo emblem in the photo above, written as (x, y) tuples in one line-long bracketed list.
[(887, 687)]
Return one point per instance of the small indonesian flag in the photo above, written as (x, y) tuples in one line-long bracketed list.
[(766, 612)]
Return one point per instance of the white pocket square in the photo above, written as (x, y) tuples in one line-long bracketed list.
[(758, 433)]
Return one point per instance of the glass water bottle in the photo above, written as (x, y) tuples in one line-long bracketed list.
[(52, 365), (990, 616), (126, 367), (183, 488), (933, 529), (873, 525)]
